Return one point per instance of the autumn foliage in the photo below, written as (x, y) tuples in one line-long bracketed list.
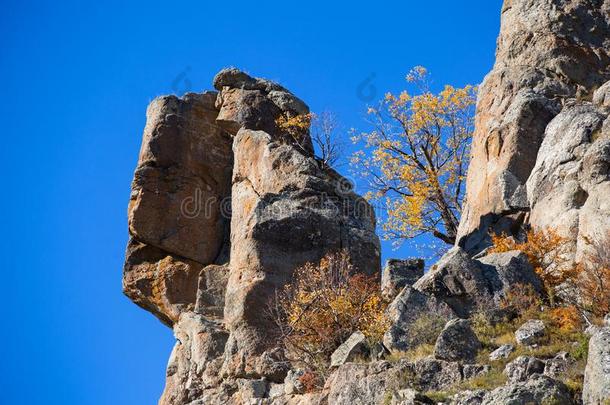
[(323, 306), (546, 250), (585, 282), (415, 158)]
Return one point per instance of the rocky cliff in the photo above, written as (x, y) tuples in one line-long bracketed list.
[(226, 204), (550, 53)]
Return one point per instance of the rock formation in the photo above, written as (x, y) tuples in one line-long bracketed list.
[(226, 203), (548, 51), (224, 207)]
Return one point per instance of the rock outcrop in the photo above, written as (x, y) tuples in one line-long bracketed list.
[(225, 205), (548, 51)]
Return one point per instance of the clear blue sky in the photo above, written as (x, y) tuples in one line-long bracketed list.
[(76, 80)]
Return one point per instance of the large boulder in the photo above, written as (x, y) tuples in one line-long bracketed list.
[(457, 342), (596, 389), (530, 332), (161, 283), (538, 389), (355, 345), (523, 367), (363, 384), (546, 53)]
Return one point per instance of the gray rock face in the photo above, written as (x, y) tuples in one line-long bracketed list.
[(538, 389), (596, 389), (545, 55), (475, 370), (278, 191), (501, 352), (405, 311), (410, 397), (398, 274), (530, 332), (468, 397), (466, 284), (569, 185), (457, 342), (194, 362), (211, 288), (362, 384), (601, 96), (292, 383), (523, 367), (355, 345), (558, 365)]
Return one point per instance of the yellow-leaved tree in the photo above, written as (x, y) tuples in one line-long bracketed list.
[(416, 156)]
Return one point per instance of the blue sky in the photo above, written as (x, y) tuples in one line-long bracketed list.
[(76, 80)]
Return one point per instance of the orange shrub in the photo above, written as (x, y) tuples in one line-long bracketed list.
[(593, 277), (323, 306), (567, 318), (546, 250)]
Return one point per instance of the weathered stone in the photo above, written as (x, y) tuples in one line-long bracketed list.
[(467, 285), (410, 397), (544, 56), (523, 367), (354, 346), (191, 366), (501, 352), (249, 389), (475, 370), (530, 332), (431, 374), (276, 390), (601, 96), (212, 285), (405, 310), (400, 273), (354, 383), (162, 283), (468, 397), (292, 383), (569, 185), (183, 175), (457, 342), (558, 365), (539, 389), (362, 384), (256, 104), (596, 388), (287, 210)]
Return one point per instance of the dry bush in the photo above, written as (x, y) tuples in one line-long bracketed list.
[(323, 306), (592, 278), (522, 298)]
